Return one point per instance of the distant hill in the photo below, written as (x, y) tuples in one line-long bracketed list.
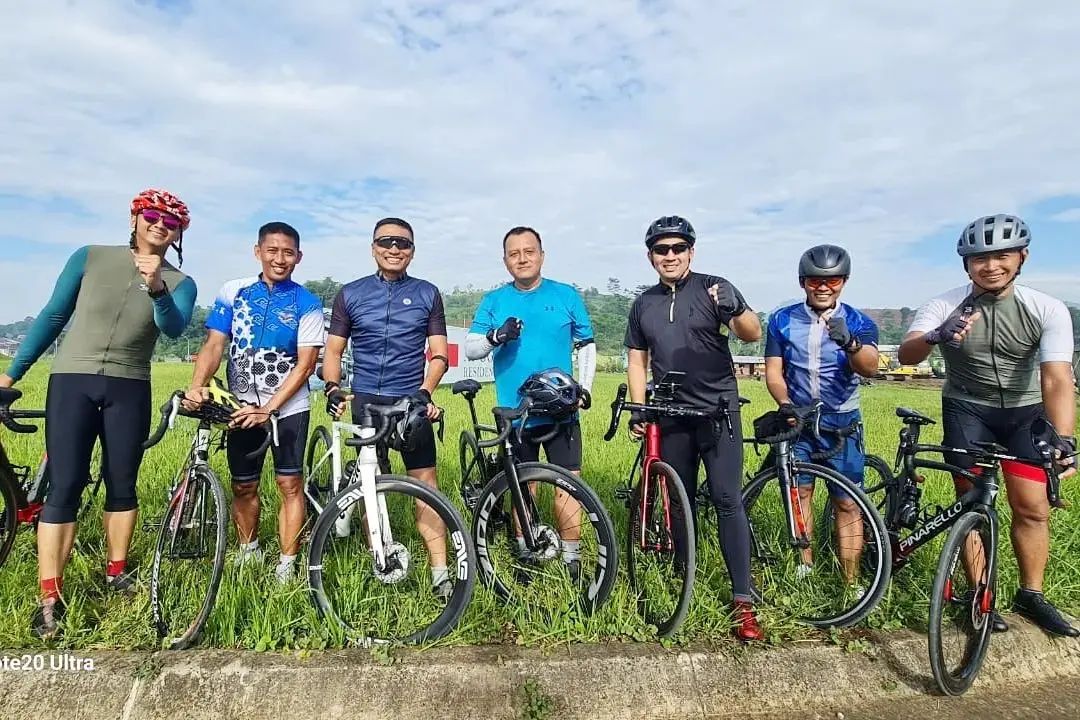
[(608, 311)]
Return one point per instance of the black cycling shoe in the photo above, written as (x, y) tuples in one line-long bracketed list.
[(1036, 608), (46, 621), (126, 582), (1000, 625)]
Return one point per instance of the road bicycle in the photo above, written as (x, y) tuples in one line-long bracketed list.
[(374, 585), (661, 550), (189, 552), (964, 590), (838, 580)]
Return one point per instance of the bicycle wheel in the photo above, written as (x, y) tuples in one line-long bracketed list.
[(840, 583), (473, 469), (318, 470), (396, 602), (188, 559), (7, 513), (660, 549), (546, 578), (962, 603)]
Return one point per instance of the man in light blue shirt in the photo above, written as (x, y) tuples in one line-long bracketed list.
[(532, 324)]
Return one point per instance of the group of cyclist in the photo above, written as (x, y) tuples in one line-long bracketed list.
[(1008, 352)]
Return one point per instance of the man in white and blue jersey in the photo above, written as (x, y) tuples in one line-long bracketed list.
[(816, 350), (273, 329), (532, 324)]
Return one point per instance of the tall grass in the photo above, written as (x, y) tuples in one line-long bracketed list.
[(253, 612)]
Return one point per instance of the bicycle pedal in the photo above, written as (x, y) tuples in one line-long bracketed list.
[(623, 493)]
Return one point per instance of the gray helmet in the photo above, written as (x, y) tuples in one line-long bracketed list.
[(993, 233), (670, 226), (825, 261)]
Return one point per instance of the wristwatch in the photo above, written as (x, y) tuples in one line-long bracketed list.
[(854, 346), (160, 293)]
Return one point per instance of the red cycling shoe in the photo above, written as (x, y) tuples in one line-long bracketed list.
[(747, 627)]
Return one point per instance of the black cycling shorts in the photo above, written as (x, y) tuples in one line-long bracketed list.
[(80, 408), (422, 454), (964, 423), (564, 449), (288, 453)]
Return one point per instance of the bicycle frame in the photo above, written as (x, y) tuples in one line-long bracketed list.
[(524, 510), (981, 497), (366, 470)]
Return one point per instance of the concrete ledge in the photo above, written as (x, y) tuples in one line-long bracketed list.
[(584, 681)]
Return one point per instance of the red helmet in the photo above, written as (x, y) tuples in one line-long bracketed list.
[(163, 201)]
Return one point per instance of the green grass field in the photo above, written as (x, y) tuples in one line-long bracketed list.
[(252, 612)]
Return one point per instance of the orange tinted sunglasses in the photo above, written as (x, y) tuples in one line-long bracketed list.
[(818, 282)]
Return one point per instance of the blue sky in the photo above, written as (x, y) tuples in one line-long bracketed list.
[(882, 127)]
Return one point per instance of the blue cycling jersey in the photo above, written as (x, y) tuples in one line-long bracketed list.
[(815, 367), (554, 318), (388, 322), (266, 327)]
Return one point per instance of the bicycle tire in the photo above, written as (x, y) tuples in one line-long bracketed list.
[(318, 445), (474, 476), (957, 682), (683, 549), (8, 516), (877, 571), (491, 502), (206, 485), (465, 560)]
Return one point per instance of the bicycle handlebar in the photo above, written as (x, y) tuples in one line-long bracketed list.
[(8, 416), (619, 404), (173, 407)]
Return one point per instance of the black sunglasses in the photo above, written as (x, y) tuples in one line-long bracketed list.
[(677, 248), (389, 241)]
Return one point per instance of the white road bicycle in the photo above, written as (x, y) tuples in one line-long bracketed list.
[(377, 536)]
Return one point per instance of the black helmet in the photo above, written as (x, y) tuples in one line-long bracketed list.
[(553, 393), (825, 261), (409, 427), (993, 233), (670, 226)]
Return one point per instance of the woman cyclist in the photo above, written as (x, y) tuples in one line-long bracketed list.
[(118, 299)]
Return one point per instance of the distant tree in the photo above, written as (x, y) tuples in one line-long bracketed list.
[(326, 289)]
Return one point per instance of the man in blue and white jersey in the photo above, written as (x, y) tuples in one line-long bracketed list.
[(273, 329), (816, 350), (530, 325)]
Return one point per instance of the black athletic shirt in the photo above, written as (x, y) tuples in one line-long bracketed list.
[(683, 330)]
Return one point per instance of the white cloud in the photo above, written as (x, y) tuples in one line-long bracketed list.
[(869, 125)]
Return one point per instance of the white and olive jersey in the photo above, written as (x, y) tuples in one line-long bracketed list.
[(997, 364)]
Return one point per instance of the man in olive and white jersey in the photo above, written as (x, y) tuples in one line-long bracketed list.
[(1008, 355)]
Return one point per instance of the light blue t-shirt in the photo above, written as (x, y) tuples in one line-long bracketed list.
[(554, 318)]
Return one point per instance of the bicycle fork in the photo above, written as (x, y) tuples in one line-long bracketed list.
[(789, 494)]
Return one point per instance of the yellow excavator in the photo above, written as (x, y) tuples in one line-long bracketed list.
[(889, 368)]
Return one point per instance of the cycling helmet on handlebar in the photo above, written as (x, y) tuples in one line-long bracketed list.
[(409, 428), (220, 403), (553, 393)]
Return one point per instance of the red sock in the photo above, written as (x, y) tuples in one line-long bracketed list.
[(50, 588), (115, 567)]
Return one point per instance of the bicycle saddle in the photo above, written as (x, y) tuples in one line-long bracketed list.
[(991, 447), (914, 417), (469, 387)]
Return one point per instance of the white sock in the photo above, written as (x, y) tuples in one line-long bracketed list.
[(571, 550), (285, 561), (439, 575), (250, 547), (521, 544)]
